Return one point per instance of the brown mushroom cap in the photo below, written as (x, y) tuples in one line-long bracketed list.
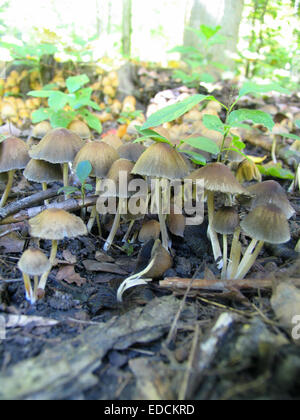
[(56, 224), (267, 223), (113, 140), (34, 262), (161, 161), (131, 151), (271, 192), (100, 155), (120, 165), (217, 177), (80, 128), (42, 171), (13, 154), (226, 220), (149, 230), (58, 146), (41, 129)]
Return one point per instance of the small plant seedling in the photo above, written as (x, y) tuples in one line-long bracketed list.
[(78, 100), (127, 116), (83, 171), (128, 248)]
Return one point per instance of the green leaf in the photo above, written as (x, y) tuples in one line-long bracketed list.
[(68, 190), (209, 31), (61, 118), (203, 143), (257, 117), (289, 136), (39, 115), (207, 78), (76, 82), (297, 123), (83, 170), (57, 100), (212, 122), (276, 171), (251, 87), (183, 50), (40, 93), (237, 143), (92, 121), (88, 187), (195, 157), (172, 112)]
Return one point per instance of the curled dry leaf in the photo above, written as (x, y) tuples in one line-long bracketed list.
[(68, 274), (69, 257)]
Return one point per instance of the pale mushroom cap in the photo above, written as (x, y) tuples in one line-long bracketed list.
[(217, 177), (58, 146), (149, 230), (267, 223), (100, 155), (161, 161), (34, 262), (131, 151), (80, 128), (13, 154), (42, 171), (118, 172), (226, 220), (113, 140), (41, 129), (271, 192), (56, 224)]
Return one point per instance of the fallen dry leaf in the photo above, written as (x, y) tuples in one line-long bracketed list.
[(69, 257), (103, 257), (92, 265), (68, 274), (12, 243)]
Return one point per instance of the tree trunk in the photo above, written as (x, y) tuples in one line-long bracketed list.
[(126, 28), (227, 14)]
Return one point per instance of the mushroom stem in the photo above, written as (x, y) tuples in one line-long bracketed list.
[(212, 233), (66, 176), (28, 288), (8, 188), (115, 227), (249, 258), (273, 150), (94, 214), (44, 187), (126, 237), (44, 277), (161, 217), (235, 254), (225, 246), (36, 285)]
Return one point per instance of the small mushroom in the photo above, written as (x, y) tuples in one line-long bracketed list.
[(113, 140), (263, 224), (41, 129), (80, 128), (55, 225), (13, 156), (131, 151), (149, 230), (33, 262)]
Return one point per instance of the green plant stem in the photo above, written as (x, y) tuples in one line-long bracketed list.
[(8, 188)]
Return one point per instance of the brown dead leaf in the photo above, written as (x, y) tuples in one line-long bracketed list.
[(12, 243), (69, 257), (68, 274), (102, 257), (92, 265)]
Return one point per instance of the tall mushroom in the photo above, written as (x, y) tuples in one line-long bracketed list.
[(33, 262), (13, 156), (217, 178), (263, 224), (55, 225), (101, 156), (58, 146), (161, 161)]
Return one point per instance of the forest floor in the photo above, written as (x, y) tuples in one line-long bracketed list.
[(80, 343)]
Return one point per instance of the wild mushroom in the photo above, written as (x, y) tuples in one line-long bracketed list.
[(161, 161), (119, 170), (58, 146), (13, 156), (149, 230), (159, 262), (263, 224), (112, 140), (55, 225), (43, 172), (101, 156), (226, 221), (41, 129), (33, 262), (217, 178), (270, 192), (131, 151), (80, 128)]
